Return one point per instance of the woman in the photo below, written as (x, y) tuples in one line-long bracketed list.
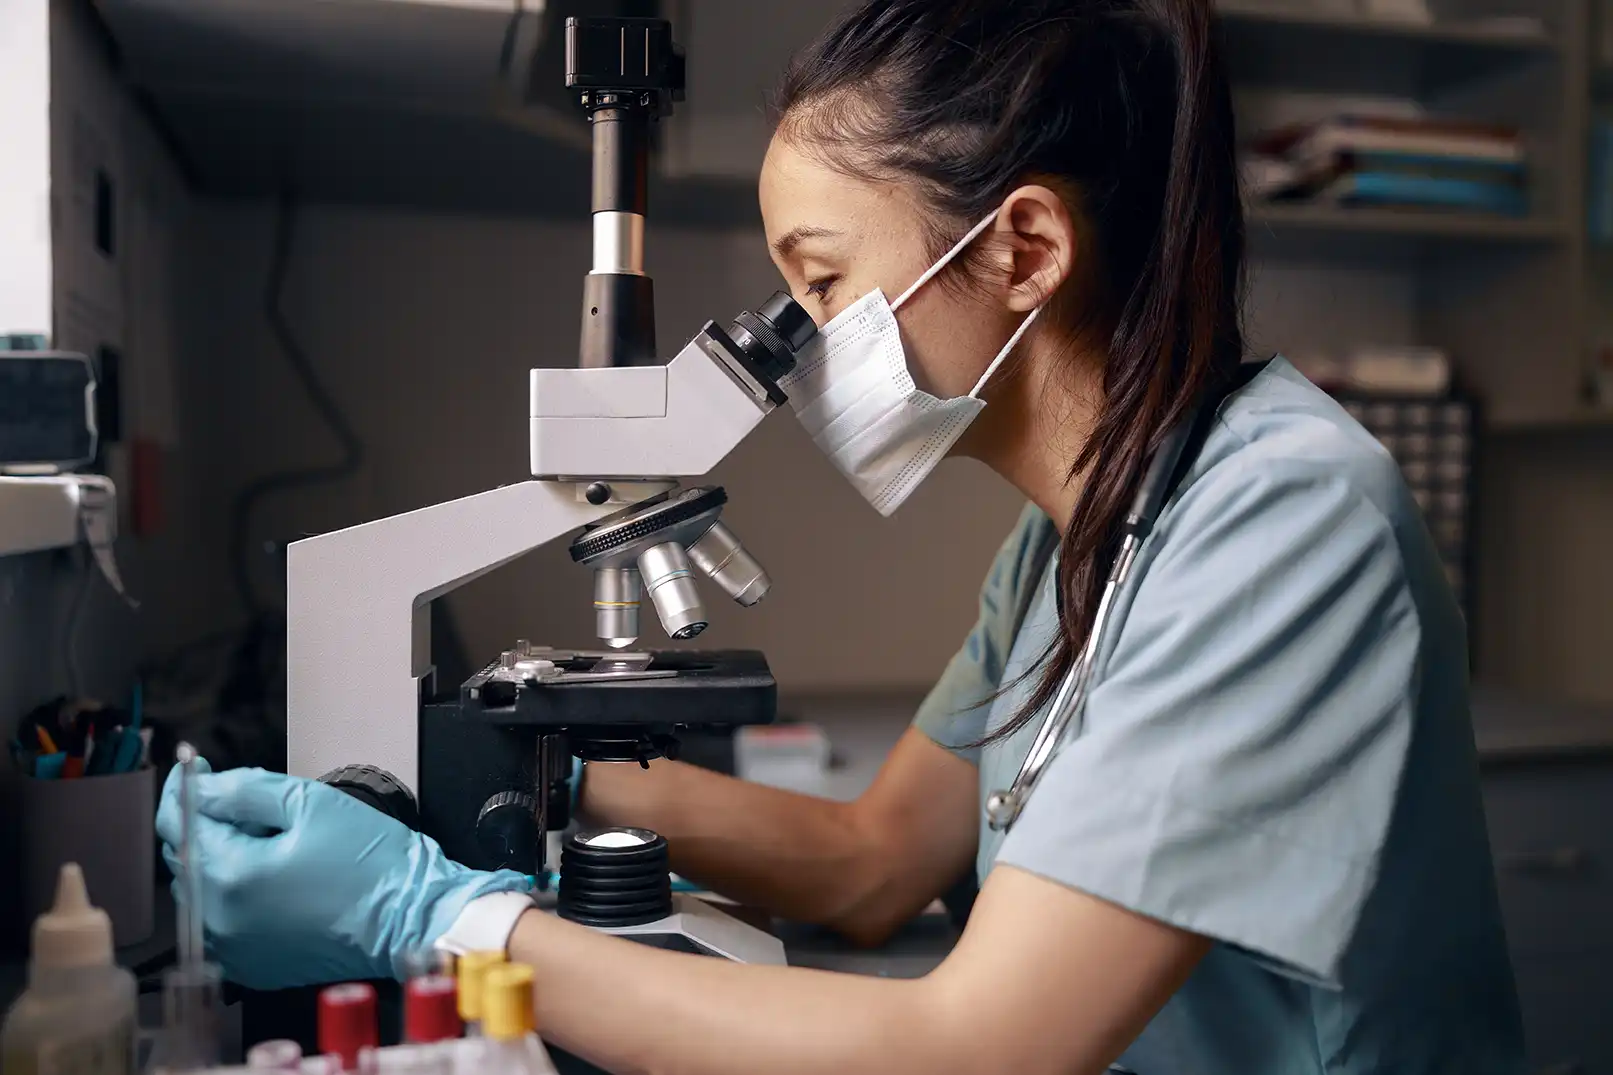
[(1262, 848)]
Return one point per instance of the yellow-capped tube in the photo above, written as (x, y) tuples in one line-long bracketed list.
[(508, 1021), (471, 970)]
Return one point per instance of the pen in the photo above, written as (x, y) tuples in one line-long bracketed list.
[(46, 743), (130, 744), (103, 751), (75, 744)]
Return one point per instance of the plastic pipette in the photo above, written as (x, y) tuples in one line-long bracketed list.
[(190, 879), (191, 999)]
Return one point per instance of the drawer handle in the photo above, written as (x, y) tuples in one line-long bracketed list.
[(1553, 860)]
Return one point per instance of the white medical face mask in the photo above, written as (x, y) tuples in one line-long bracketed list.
[(852, 391)]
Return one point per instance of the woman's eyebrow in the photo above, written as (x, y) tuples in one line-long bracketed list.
[(793, 238)]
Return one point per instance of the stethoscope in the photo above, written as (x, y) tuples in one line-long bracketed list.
[(1069, 700)]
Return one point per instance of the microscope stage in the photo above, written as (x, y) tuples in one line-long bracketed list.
[(482, 773), (691, 689)]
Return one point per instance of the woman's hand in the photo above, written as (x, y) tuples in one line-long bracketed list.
[(303, 884)]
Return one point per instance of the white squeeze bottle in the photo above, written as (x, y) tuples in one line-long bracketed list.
[(78, 1013)]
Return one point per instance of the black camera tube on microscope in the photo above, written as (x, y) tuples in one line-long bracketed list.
[(618, 322), (628, 72)]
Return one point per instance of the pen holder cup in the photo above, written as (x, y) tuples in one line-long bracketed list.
[(106, 824)]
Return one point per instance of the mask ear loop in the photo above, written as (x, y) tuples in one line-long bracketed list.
[(929, 274), (946, 259), (1024, 326)]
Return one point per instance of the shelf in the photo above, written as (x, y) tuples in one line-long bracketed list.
[(1404, 222), (1474, 34), (1583, 419), (1335, 53), (37, 514)]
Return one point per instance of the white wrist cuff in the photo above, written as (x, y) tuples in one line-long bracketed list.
[(486, 923)]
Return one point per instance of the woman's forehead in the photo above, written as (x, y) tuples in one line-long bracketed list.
[(801, 193)]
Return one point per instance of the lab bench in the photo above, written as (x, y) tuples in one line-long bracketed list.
[(1547, 773)]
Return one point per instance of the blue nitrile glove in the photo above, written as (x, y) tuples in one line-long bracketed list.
[(303, 884)]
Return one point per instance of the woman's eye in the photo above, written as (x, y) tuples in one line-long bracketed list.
[(820, 288)]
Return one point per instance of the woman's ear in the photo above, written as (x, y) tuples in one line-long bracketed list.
[(1036, 229)]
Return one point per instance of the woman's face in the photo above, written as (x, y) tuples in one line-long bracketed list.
[(836, 238)]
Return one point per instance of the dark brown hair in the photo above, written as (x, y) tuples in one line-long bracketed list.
[(1126, 103)]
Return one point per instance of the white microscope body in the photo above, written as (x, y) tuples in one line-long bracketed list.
[(610, 439), (357, 600)]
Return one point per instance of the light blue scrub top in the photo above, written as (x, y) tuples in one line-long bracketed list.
[(1278, 757)]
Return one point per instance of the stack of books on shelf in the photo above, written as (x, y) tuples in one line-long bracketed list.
[(1390, 161)]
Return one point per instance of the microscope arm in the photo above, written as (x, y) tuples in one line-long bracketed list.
[(358, 639), (357, 600)]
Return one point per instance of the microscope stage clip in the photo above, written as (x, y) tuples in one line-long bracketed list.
[(537, 665)]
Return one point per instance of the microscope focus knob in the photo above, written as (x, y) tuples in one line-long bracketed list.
[(378, 788), (507, 828)]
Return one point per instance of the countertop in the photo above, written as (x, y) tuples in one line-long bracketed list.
[(912, 953)]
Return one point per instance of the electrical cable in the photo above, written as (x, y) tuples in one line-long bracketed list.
[(248, 499), (85, 568), (506, 52)]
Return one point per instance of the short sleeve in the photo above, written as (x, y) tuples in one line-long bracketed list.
[(1239, 761), (956, 710)]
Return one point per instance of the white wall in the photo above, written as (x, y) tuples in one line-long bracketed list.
[(25, 266), (1301, 309)]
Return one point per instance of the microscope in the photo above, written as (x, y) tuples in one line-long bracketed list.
[(484, 770)]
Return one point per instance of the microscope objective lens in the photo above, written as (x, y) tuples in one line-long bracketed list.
[(616, 605), (668, 577)]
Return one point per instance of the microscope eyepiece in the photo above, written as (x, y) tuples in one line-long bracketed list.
[(789, 318), (773, 335)]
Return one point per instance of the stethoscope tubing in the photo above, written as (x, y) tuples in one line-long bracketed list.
[(1067, 703), (1069, 700)]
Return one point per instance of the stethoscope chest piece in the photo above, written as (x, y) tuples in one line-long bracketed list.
[(1002, 807)]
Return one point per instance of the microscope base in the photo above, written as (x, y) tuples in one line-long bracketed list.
[(695, 926), (702, 928)]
